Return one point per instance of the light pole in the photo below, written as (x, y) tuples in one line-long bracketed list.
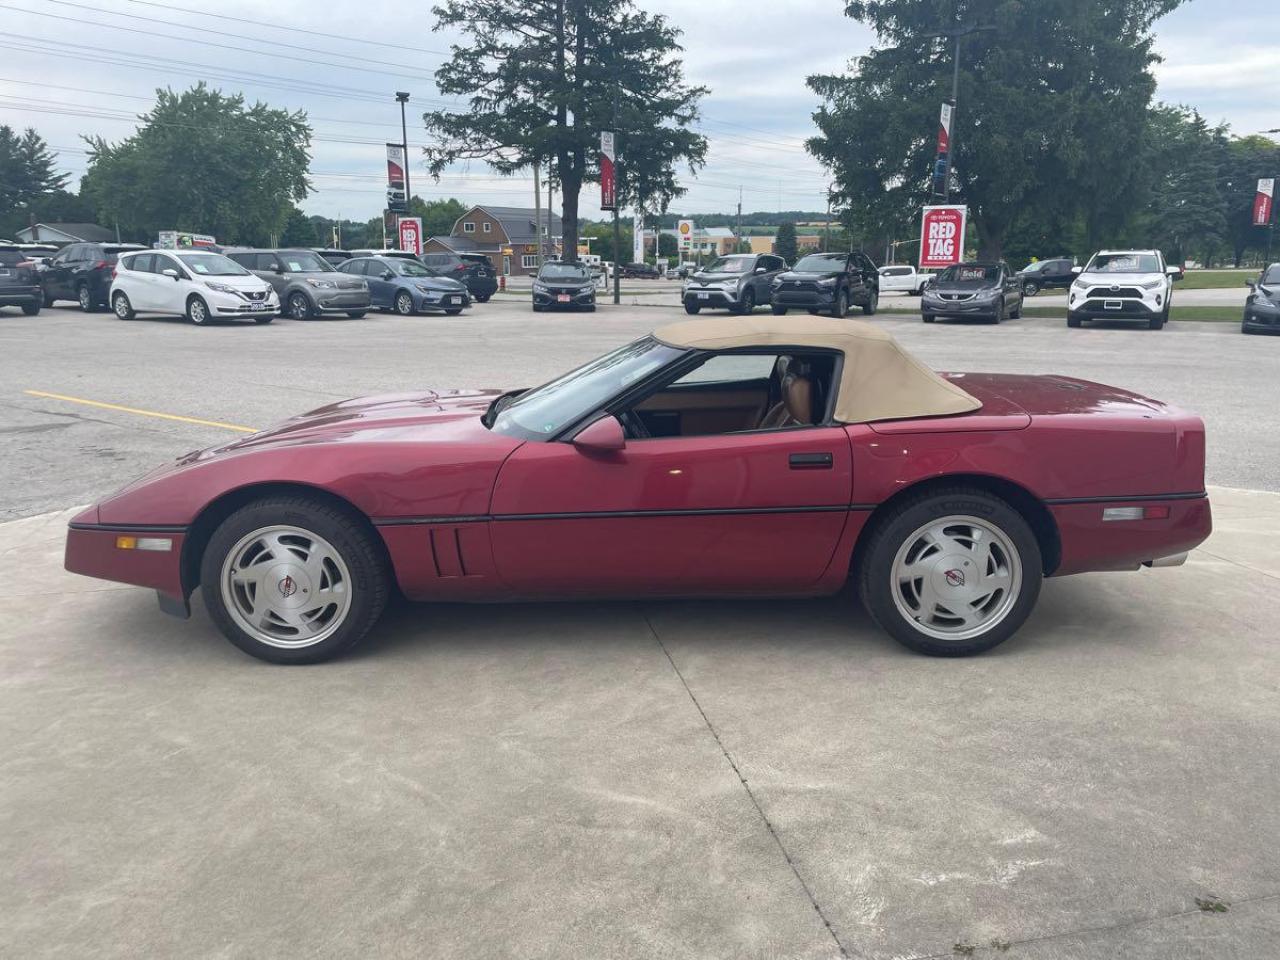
[(402, 97), (895, 244), (958, 34)]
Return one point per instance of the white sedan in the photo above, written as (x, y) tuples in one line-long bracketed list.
[(198, 285)]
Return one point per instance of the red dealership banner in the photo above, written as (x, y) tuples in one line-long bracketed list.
[(1263, 202), (608, 179), (411, 234), (944, 130), (396, 199), (942, 236)]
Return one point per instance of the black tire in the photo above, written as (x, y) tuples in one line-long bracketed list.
[(928, 317), (298, 306), (1073, 319), (483, 299), (590, 308), (350, 537), (747, 304), (873, 301), (778, 311), (876, 583), (356, 314), (261, 320), (537, 308), (998, 316), (31, 309), (85, 298), (403, 303), (198, 311), (453, 311), (47, 297), (840, 309), (121, 306), (1016, 314), (691, 308), (1030, 288)]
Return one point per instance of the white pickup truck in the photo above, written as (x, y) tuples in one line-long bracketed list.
[(902, 278)]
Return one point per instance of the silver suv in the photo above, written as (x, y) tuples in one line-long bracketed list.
[(1122, 284)]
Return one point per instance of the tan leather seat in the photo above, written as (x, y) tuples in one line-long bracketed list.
[(795, 408)]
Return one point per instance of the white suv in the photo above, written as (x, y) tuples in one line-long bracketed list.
[(1124, 284), (198, 285)]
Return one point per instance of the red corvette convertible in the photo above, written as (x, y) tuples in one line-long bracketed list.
[(722, 457)]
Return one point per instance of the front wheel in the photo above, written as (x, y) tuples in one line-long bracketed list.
[(1030, 288), (873, 301), (928, 317), (121, 307), (482, 299), (262, 320), (778, 311), (31, 309), (197, 311), (291, 580), (841, 307), (691, 308), (355, 314), (951, 573), (1073, 319), (453, 311), (748, 304), (404, 304)]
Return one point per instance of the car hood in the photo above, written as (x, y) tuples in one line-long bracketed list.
[(957, 286), (716, 277), (437, 283), (573, 283), (377, 418), (249, 284), (1117, 279), (797, 275)]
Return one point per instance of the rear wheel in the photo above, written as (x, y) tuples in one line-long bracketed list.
[(1030, 288), (197, 311), (292, 580), (85, 297), (121, 306), (951, 573)]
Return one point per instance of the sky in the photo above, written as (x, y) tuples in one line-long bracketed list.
[(72, 67)]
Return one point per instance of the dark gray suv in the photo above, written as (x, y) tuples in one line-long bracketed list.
[(305, 282)]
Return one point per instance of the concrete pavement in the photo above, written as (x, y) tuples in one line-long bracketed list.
[(691, 780)]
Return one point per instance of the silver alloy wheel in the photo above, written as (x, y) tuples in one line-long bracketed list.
[(122, 306), (198, 312), (299, 308), (955, 578), (285, 586), (86, 301), (404, 304)]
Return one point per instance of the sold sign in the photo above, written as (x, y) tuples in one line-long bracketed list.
[(942, 236)]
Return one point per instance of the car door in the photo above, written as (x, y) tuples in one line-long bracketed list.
[(54, 278), (138, 281), (381, 290), (772, 267), (742, 512)]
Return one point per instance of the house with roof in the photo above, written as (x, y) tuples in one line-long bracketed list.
[(507, 235), (708, 241), (60, 234)]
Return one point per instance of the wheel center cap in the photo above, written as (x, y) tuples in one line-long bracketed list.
[(289, 586), (955, 576)]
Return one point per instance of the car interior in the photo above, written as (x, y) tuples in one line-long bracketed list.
[(733, 393)]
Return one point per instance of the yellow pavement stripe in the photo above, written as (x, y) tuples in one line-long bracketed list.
[(141, 413)]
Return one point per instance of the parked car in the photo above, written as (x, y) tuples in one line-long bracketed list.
[(1123, 284), (195, 284), (735, 450), (640, 271), (564, 286), (473, 269), (333, 255), (989, 291), (1046, 275), (407, 286), (38, 253), (828, 283), (19, 280), (305, 283), (386, 252), (1262, 307), (82, 272), (902, 278), (739, 283)]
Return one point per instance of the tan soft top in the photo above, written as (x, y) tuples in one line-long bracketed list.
[(880, 380)]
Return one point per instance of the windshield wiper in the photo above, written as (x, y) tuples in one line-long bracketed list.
[(496, 405)]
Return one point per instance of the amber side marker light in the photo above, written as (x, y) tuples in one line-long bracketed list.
[(1135, 513), (153, 544)]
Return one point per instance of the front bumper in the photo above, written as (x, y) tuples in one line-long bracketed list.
[(1150, 304), (710, 297), (443, 300), (340, 301), (959, 308), (1261, 316), (804, 298), (93, 550), (553, 301), (16, 296), (233, 306)]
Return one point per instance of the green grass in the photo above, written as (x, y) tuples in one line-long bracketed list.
[(1224, 314), (1214, 279)]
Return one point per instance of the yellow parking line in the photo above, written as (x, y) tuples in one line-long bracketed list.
[(141, 413)]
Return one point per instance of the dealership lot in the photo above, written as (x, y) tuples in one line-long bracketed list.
[(773, 779)]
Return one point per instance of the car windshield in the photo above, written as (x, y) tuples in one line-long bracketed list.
[(1272, 276), (731, 265), (1124, 263), (819, 263), (562, 271), (410, 268), (304, 262), (969, 273), (11, 258), (212, 265), (545, 411)]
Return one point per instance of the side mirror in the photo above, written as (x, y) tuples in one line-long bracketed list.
[(1077, 269), (603, 436), (1175, 272), (762, 269), (277, 268), (386, 274), (170, 272), (1251, 285)]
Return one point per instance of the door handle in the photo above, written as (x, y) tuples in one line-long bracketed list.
[(811, 461)]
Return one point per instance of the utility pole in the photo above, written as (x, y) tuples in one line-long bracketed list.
[(402, 97), (617, 224), (739, 217), (537, 211), (551, 193), (958, 34)]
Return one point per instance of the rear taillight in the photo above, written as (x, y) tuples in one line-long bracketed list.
[(461, 266), (24, 263), (102, 265), (113, 273)]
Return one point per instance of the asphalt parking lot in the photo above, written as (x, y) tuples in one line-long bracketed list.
[(700, 780)]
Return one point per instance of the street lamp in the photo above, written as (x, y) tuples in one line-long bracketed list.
[(958, 34), (402, 97)]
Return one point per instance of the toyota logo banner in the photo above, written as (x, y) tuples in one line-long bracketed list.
[(1263, 201), (942, 236), (396, 199), (608, 180)]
